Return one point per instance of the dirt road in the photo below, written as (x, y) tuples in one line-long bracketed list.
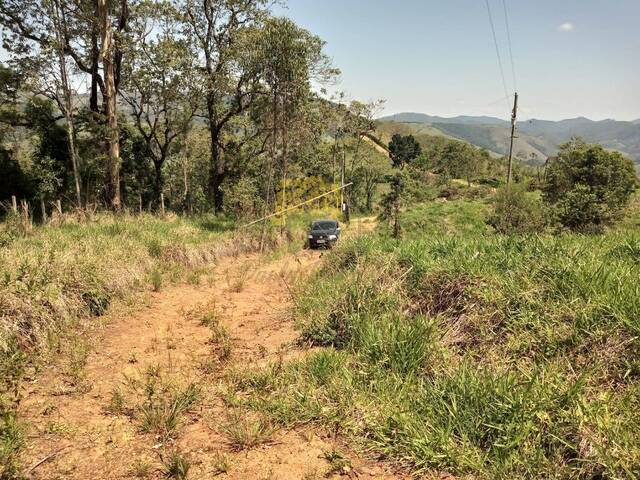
[(123, 405)]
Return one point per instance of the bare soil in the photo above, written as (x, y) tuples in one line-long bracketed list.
[(75, 433)]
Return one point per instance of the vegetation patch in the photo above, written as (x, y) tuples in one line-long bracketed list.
[(483, 355)]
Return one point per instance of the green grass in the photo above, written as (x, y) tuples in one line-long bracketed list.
[(458, 350), (58, 274), (458, 217)]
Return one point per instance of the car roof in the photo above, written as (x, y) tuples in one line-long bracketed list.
[(325, 220)]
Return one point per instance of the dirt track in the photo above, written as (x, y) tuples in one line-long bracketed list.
[(74, 433)]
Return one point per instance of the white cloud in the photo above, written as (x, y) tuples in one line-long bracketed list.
[(565, 27)]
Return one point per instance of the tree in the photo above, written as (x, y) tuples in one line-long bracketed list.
[(290, 58), (160, 84), (403, 149), (517, 211), (370, 172), (30, 31), (62, 92), (231, 85), (588, 186)]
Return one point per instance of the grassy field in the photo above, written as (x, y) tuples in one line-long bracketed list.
[(458, 350), (56, 279)]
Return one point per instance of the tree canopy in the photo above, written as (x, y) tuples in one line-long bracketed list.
[(588, 186)]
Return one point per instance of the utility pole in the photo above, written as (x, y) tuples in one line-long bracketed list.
[(513, 131), (344, 158)]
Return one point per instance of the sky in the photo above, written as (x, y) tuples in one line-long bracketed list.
[(571, 57)]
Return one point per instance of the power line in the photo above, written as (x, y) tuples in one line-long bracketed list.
[(506, 22), (495, 42)]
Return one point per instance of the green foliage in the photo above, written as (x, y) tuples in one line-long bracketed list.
[(176, 466), (588, 186), (403, 149), (11, 441), (479, 355), (517, 211)]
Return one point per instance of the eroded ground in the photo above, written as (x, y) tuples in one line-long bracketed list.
[(146, 397)]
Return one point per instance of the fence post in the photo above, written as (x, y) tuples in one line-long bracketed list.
[(25, 214), (14, 203), (59, 206), (162, 203), (140, 203), (44, 210)]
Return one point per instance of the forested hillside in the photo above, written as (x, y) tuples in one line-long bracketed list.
[(202, 106), (536, 140)]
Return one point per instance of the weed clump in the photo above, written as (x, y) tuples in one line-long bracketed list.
[(245, 430)]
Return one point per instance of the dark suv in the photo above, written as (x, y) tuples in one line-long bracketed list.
[(324, 233)]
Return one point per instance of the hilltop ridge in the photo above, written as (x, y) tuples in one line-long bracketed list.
[(536, 137)]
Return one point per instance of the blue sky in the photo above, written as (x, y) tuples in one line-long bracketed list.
[(572, 57)]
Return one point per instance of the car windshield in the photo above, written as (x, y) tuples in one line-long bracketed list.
[(323, 225)]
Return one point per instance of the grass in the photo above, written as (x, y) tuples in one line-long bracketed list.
[(140, 468), (176, 466), (245, 430), (458, 217), (458, 350), (58, 274), (11, 441), (221, 341), (164, 405), (156, 401), (56, 279)]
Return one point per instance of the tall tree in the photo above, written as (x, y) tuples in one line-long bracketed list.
[(291, 59), (109, 96), (29, 31), (402, 149), (217, 27), (64, 94), (160, 83)]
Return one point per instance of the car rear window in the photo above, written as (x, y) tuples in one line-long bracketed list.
[(323, 225)]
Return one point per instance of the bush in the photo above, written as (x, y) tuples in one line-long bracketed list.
[(516, 211), (589, 187)]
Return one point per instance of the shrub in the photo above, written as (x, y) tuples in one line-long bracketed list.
[(517, 211), (589, 187)]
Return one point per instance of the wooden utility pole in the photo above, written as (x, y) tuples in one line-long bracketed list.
[(344, 160), (513, 131)]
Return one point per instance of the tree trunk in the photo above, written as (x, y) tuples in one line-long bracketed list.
[(396, 219), (158, 183), (95, 61), (68, 103), (370, 190), (109, 98), (216, 169)]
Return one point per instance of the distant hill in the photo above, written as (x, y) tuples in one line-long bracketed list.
[(410, 117), (539, 138)]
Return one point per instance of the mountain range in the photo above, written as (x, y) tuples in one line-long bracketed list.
[(536, 139)]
